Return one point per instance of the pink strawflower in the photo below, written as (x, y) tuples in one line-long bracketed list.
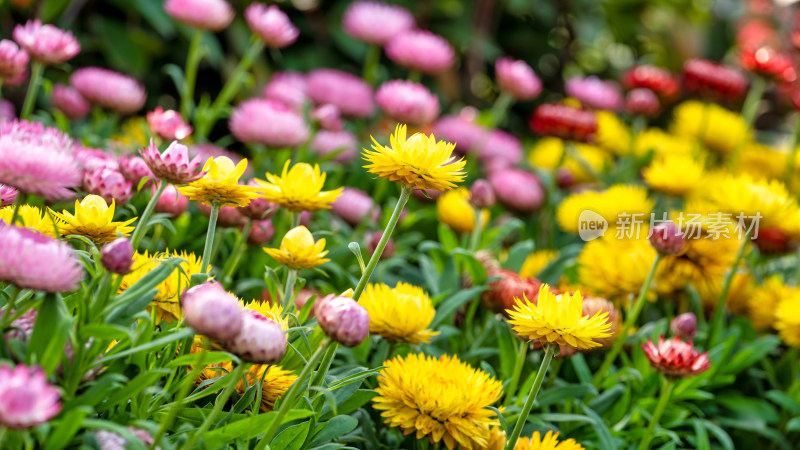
[(271, 24), (21, 328), (94, 158), (210, 310), (109, 440), (7, 113), (326, 142), (261, 232), (328, 117), (342, 319), (421, 51), (375, 22), (289, 88), (351, 94), (173, 165), (499, 145), (258, 208), (594, 92), (13, 60), (407, 102), (109, 184), (117, 256), (134, 168), (109, 89), (260, 341), (517, 78), (16, 80), (26, 398), (32, 260), (8, 195), (171, 202), (70, 102), (168, 124), (46, 43), (213, 15), (667, 238), (465, 133), (38, 160), (675, 358), (355, 205), (267, 122), (517, 189)]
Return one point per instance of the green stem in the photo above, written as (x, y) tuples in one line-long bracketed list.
[(236, 375), (518, 363), (387, 232), (238, 249), (788, 175), (33, 89), (7, 317), (138, 233), (192, 62), (22, 198), (629, 322), (414, 75), (718, 319), (294, 218), (290, 397), (749, 110), (663, 400), (526, 408), (319, 377), (371, 62), (475, 237), (499, 109), (288, 289), (212, 228)]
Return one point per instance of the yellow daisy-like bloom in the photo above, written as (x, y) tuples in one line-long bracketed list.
[(614, 268), (441, 398), (220, 185), (401, 314), (787, 319), (210, 371), (675, 174), (133, 133), (276, 382), (536, 262), (93, 219), (662, 143), (547, 153), (765, 301), (614, 204), (299, 188), (558, 319), (454, 209), (722, 130), (761, 161), (419, 161), (272, 312), (166, 301), (742, 288), (548, 442), (29, 217), (612, 134), (298, 250)]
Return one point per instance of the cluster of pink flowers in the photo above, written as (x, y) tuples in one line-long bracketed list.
[(268, 122)]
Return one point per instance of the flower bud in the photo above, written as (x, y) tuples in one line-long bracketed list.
[(260, 340), (8, 195), (667, 238), (643, 102), (482, 194), (518, 189), (172, 202), (117, 256), (684, 325), (372, 244), (354, 206), (258, 208), (210, 310), (342, 319), (261, 232), (565, 178)]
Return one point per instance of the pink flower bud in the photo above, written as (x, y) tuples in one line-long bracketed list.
[(261, 232), (303, 296), (355, 205), (684, 325), (328, 117), (260, 340), (305, 218), (109, 89), (117, 256), (327, 141), (173, 165), (271, 24), (482, 194), (342, 319), (517, 78), (168, 124), (422, 51), (594, 92), (517, 189), (26, 398), (642, 101), (8, 195), (210, 310), (171, 202), (667, 238), (46, 43), (268, 122), (375, 22), (7, 112), (213, 15), (258, 208), (70, 102), (109, 184), (351, 94), (289, 88), (372, 243), (134, 168), (407, 102), (13, 60), (564, 178)]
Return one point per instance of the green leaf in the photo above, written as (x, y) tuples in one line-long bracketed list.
[(103, 332), (160, 342), (449, 305), (50, 332), (506, 341), (68, 425), (474, 267), (139, 383), (751, 354), (248, 428), (793, 425), (603, 434), (701, 436), (786, 402), (560, 393), (149, 281), (581, 368), (98, 391), (358, 399), (447, 237), (517, 255), (358, 376), (191, 358), (292, 437), (332, 429)]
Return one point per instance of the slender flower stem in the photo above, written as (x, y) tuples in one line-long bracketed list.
[(518, 363), (788, 175), (290, 397), (387, 232), (475, 237), (663, 400), (288, 289), (7, 316), (33, 89), (138, 233), (192, 62), (212, 227), (526, 408), (238, 249), (319, 377), (294, 218), (22, 198), (629, 322), (718, 320), (749, 110), (499, 109), (236, 375), (371, 62)]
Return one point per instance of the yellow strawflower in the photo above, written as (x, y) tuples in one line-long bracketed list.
[(453, 208), (272, 311), (276, 382), (399, 314), (761, 161), (548, 442), (441, 398), (674, 174), (722, 130), (298, 250), (612, 133), (29, 217), (661, 143), (766, 299), (615, 204), (558, 319), (299, 188), (536, 262), (615, 268), (787, 319), (93, 219), (547, 153), (220, 184), (419, 161)]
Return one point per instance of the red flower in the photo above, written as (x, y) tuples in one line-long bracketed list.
[(566, 122), (502, 293), (765, 60), (654, 78), (714, 80), (676, 358)]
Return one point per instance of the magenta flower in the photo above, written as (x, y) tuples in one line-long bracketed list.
[(210, 310), (168, 124), (37, 160), (328, 117), (109, 89), (213, 15), (351, 94), (173, 165), (465, 133), (355, 205), (375, 22), (46, 43), (70, 102), (675, 358), (684, 325), (260, 341), (8, 195), (481, 194), (342, 319), (117, 256), (7, 113), (407, 102), (267, 122), (271, 24), (134, 168), (594, 92), (421, 51), (26, 398), (667, 238), (13, 60), (288, 88), (517, 189), (34, 261), (499, 145), (517, 78), (261, 232), (109, 184), (326, 142), (171, 202), (94, 158)]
